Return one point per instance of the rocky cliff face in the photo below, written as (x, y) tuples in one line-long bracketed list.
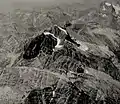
[(32, 72)]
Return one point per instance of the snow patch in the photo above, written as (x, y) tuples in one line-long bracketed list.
[(86, 71), (103, 8), (58, 40), (108, 4), (104, 15), (117, 8), (62, 29), (82, 47)]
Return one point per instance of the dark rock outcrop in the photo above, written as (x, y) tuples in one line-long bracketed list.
[(67, 94), (43, 42), (47, 43)]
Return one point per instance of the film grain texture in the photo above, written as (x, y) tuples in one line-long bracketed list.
[(60, 52)]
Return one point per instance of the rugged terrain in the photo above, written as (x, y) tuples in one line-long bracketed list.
[(89, 74)]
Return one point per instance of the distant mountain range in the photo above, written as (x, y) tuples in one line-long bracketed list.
[(88, 74)]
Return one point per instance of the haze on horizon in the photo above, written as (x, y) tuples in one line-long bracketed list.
[(8, 5)]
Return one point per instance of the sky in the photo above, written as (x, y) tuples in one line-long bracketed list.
[(8, 5)]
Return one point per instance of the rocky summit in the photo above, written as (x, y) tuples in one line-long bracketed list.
[(64, 54)]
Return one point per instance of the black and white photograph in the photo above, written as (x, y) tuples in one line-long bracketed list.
[(59, 51)]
